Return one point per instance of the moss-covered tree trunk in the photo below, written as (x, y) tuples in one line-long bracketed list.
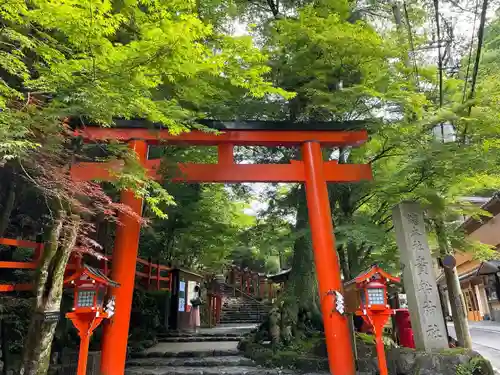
[(299, 304), (49, 289), (302, 286)]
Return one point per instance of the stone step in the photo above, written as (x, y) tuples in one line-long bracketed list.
[(230, 318), (240, 321), (198, 338), (241, 317), (236, 312), (227, 370), (244, 308), (236, 370), (187, 353), (241, 302), (191, 362), (239, 313), (200, 334)]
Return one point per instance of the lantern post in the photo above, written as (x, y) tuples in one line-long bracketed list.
[(90, 289), (373, 306)]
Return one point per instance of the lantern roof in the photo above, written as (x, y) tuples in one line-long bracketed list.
[(93, 274), (372, 271)]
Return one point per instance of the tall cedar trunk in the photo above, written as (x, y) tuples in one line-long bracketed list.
[(8, 205), (302, 288), (457, 301), (49, 289)]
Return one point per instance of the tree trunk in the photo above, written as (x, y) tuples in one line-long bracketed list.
[(457, 301), (49, 289), (302, 295), (8, 205)]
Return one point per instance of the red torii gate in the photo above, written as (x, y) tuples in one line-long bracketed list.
[(311, 170)]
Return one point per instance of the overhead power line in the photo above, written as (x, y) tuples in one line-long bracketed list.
[(440, 58), (464, 95), (412, 45), (480, 37)]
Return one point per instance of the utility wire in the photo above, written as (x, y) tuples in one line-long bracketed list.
[(480, 37), (464, 95), (440, 58), (440, 62), (412, 45)]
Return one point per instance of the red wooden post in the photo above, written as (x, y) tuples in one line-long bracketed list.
[(248, 279), (242, 280), (340, 353), (83, 355), (158, 275), (150, 269), (210, 310), (225, 153), (258, 291), (38, 252), (378, 321), (218, 308), (115, 337)]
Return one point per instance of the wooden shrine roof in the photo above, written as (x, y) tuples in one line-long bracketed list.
[(373, 270)]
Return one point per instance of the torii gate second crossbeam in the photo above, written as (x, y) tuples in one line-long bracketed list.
[(311, 170)]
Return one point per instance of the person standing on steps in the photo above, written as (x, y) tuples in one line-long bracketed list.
[(194, 317)]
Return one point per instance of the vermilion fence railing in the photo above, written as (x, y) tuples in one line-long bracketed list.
[(250, 283), (150, 275)]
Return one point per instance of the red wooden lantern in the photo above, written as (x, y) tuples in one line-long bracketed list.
[(373, 307), (90, 289), (374, 294)]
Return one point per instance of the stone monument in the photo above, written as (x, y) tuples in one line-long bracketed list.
[(418, 277)]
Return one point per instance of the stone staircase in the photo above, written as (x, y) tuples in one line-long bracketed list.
[(212, 352), (196, 354), (242, 310)]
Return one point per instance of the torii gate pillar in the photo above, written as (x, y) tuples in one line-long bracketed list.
[(338, 343), (115, 337)]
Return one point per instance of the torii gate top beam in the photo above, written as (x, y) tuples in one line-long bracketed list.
[(226, 170), (237, 133)]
